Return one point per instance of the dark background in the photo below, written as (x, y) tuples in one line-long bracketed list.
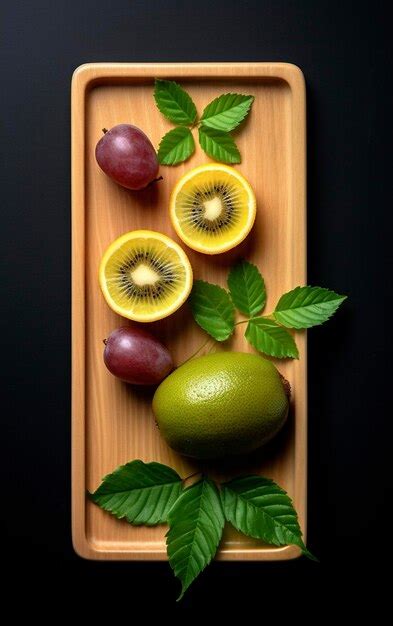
[(344, 51)]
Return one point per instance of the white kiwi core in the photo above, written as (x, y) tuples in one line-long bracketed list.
[(213, 208), (144, 275)]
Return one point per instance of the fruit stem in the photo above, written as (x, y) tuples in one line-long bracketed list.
[(105, 341), (155, 180), (104, 130), (286, 385)]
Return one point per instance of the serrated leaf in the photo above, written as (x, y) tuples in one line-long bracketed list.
[(304, 307), (268, 337), (174, 102), (259, 508), (212, 309), (141, 492), (176, 146), (247, 288), (218, 145), (196, 522), (227, 111)]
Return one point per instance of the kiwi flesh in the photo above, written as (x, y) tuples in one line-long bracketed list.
[(212, 209), (144, 277), (145, 274)]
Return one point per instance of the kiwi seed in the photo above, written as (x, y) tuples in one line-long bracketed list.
[(213, 209), (160, 275)]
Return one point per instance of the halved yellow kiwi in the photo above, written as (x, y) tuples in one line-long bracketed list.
[(145, 276), (212, 208)]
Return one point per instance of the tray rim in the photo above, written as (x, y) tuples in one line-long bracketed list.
[(82, 79)]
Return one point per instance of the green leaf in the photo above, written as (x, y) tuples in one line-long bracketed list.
[(227, 111), (259, 508), (212, 309), (304, 307), (176, 146), (196, 522), (247, 288), (218, 145), (141, 492), (174, 102), (270, 338)]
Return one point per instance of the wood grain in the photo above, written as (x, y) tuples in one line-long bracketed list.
[(112, 423)]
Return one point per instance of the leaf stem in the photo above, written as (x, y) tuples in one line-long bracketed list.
[(190, 476), (257, 317), (242, 322), (197, 351), (212, 346)]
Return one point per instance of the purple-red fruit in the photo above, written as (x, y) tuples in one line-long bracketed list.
[(127, 156), (136, 357)]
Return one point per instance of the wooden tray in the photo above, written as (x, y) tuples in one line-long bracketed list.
[(112, 423)]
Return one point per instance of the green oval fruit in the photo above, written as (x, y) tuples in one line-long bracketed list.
[(221, 404)]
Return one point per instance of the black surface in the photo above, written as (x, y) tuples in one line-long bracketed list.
[(344, 51)]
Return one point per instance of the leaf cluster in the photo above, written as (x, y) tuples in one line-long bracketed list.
[(220, 117), (152, 493), (213, 309)]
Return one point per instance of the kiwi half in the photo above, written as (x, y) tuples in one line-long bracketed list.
[(145, 275), (213, 208)]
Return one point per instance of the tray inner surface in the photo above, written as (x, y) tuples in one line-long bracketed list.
[(119, 424)]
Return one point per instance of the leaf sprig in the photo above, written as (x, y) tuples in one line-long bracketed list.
[(220, 117), (213, 309), (152, 493)]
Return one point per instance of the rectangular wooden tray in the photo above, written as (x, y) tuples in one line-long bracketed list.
[(111, 422)]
